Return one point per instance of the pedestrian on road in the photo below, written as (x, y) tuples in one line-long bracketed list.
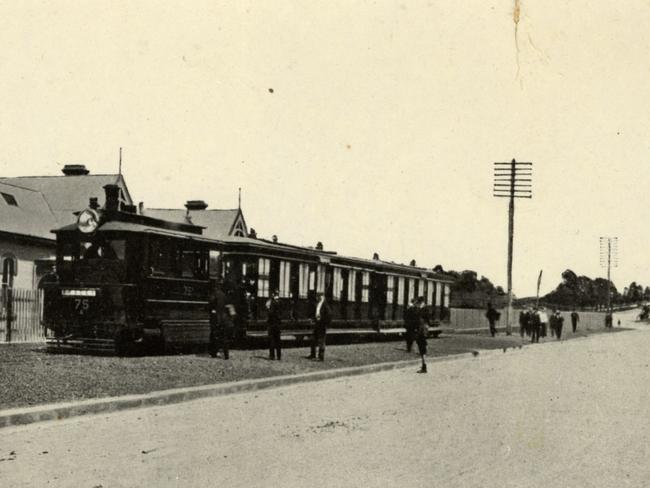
[(524, 318), (543, 319), (559, 323), (609, 319), (422, 333), (552, 323), (493, 316), (222, 312), (274, 321), (575, 318), (535, 326), (410, 324), (322, 319)]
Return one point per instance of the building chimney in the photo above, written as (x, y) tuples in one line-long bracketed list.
[(112, 197), (274, 238), (252, 234), (375, 257), (319, 246), (412, 263), (94, 204), (75, 170), (196, 205)]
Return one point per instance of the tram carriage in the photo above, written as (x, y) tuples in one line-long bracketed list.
[(124, 279)]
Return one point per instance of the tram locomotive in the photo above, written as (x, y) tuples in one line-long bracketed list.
[(124, 279)]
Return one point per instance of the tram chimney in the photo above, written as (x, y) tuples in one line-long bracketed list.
[(274, 238), (112, 197), (375, 257), (412, 262), (94, 203), (319, 246)]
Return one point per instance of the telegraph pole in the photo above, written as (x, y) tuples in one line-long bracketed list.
[(512, 180), (609, 258)]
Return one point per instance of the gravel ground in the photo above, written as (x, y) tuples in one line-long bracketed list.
[(31, 376)]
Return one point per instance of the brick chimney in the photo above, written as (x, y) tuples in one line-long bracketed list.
[(75, 170), (196, 205)]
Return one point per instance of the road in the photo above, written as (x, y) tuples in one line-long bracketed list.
[(567, 414)]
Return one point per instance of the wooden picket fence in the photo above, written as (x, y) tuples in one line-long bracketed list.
[(21, 312)]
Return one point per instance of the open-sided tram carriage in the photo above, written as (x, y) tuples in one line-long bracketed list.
[(124, 279)]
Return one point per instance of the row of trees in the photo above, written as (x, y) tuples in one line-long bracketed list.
[(585, 292), (469, 290)]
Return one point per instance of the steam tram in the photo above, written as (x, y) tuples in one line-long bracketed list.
[(124, 279)]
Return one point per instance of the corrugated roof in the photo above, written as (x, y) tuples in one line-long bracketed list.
[(218, 223), (68, 194), (30, 217)]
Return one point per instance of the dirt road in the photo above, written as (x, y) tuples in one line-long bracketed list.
[(566, 414)]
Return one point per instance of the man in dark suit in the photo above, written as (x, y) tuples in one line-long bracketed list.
[(410, 324), (222, 311), (274, 320), (575, 318), (322, 318)]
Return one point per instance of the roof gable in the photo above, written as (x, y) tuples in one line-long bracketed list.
[(217, 223), (31, 216)]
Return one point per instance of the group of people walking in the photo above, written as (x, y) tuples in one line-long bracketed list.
[(535, 323)]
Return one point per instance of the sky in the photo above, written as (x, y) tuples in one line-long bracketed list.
[(369, 126)]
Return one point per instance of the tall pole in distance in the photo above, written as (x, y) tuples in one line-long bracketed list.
[(609, 258), (510, 182)]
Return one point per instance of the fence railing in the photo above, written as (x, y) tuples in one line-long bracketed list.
[(21, 311)]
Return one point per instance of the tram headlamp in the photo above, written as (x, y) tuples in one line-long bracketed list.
[(88, 221)]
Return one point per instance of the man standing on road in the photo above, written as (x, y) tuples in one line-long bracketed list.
[(575, 318), (222, 311), (524, 318), (493, 316), (322, 318), (422, 333), (535, 325), (559, 323), (410, 324), (274, 320)]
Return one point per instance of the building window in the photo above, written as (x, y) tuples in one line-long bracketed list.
[(303, 280), (264, 271), (9, 270), (285, 279), (352, 286), (365, 286), (10, 199)]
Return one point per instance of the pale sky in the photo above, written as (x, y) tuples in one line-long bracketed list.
[(381, 130)]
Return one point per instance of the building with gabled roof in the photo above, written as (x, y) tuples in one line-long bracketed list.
[(217, 223), (31, 206)]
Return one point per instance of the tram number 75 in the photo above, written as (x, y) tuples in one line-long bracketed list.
[(81, 305)]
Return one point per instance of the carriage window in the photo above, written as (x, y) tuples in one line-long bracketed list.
[(431, 285), (320, 288), (193, 263), (352, 286), (445, 302), (365, 286), (400, 290), (102, 248), (390, 283), (411, 289), (162, 254), (214, 258), (438, 293), (285, 279), (338, 284), (422, 290), (264, 271), (303, 280)]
